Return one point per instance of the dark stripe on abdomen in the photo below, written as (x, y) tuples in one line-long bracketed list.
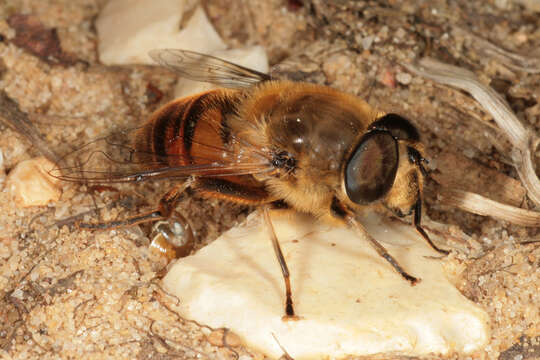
[(159, 132), (227, 110), (192, 116)]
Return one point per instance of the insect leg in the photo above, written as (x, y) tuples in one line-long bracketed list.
[(341, 212), (417, 218), (239, 191), (246, 194), (165, 208), (289, 310), (382, 251)]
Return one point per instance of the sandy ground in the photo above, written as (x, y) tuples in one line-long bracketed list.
[(69, 293)]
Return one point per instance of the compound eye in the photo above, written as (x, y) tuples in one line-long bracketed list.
[(398, 126), (372, 167)]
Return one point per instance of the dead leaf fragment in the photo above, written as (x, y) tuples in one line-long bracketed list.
[(38, 40)]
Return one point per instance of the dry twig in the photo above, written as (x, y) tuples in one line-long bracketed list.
[(16, 119), (514, 61), (481, 205), (524, 140)]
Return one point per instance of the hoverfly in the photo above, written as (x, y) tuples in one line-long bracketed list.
[(267, 142)]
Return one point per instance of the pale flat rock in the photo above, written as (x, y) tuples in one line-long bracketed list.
[(253, 57), (129, 29), (351, 302)]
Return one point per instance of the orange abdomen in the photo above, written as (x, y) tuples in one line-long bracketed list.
[(188, 131)]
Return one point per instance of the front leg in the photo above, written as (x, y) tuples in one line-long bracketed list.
[(341, 212)]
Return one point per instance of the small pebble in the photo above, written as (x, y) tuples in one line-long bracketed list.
[(404, 78), (31, 185)]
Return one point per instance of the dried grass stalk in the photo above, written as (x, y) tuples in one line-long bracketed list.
[(524, 140), (13, 117), (514, 61), (478, 204)]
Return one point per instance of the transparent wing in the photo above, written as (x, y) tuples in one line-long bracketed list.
[(207, 68), (115, 159)]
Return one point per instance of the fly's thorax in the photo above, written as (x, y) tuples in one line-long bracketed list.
[(315, 124), (307, 130)]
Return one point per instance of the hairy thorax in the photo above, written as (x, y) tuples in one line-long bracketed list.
[(313, 126)]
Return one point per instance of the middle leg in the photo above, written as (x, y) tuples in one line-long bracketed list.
[(289, 309), (242, 193)]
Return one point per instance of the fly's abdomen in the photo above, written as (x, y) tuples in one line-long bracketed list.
[(188, 131)]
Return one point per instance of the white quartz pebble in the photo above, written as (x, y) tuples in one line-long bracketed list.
[(129, 29), (31, 185), (351, 302)]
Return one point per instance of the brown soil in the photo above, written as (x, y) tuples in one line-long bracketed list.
[(69, 293)]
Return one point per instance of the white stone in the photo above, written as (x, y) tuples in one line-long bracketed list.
[(251, 57), (367, 42), (351, 302), (31, 184), (129, 29), (403, 78)]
